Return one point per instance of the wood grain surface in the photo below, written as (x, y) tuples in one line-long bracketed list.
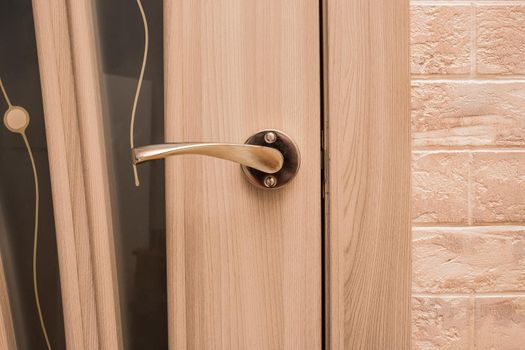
[(80, 201), (368, 132), (87, 72), (7, 332), (244, 265), (67, 177)]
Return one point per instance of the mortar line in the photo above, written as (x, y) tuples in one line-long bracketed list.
[(466, 3), (473, 41), (463, 225), (469, 190), (473, 342), (468, 80), (461, 229), (469, 150), (472, 148), (475, 295)]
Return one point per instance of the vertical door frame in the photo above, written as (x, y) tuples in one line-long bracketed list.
[(69, 74), (367, 117)]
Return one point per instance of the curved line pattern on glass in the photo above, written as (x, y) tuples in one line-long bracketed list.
[(139, 86), (16, 119)]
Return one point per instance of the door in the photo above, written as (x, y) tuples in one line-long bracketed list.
[(307, 251), (243, 264)]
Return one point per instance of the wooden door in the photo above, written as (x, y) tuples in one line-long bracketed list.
[(244, 264), (321, 263)]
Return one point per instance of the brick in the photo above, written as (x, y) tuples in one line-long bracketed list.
[(441, 39), (498, 185), (499, 323), (440, 187), (468, 114), (467, 260), (500, 39), (441, 323)]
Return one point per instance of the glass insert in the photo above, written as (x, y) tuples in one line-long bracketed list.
[(20, 75), (138, 212)]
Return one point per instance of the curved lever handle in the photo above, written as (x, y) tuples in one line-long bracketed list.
[(266, 159)]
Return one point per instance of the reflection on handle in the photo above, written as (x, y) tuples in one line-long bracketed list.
[(266, 159)]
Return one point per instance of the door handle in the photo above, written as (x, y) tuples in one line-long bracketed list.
[(261, 158), (269, 158)]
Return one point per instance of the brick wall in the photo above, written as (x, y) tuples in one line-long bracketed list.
[(468, 123)]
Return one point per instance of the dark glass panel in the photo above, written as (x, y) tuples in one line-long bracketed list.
[(19, 71), (138, 213)]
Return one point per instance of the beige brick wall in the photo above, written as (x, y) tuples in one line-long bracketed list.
[(468, 123)]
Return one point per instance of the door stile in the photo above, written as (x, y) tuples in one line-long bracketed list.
[(88, 82), (67, 177), (7, 332), (69, 78)]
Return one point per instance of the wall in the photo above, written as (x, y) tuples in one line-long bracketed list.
[(468, 122)]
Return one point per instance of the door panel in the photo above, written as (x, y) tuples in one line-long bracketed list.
[(244, 264)]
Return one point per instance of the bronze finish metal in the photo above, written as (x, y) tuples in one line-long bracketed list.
[(266, 152), (290, 152)]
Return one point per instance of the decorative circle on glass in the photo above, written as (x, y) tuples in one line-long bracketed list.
[(16, 119)]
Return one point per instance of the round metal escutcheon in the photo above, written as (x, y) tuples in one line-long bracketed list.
[(292, 160)]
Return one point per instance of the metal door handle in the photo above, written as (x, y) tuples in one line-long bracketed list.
[(270, 158), (262, 158)]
